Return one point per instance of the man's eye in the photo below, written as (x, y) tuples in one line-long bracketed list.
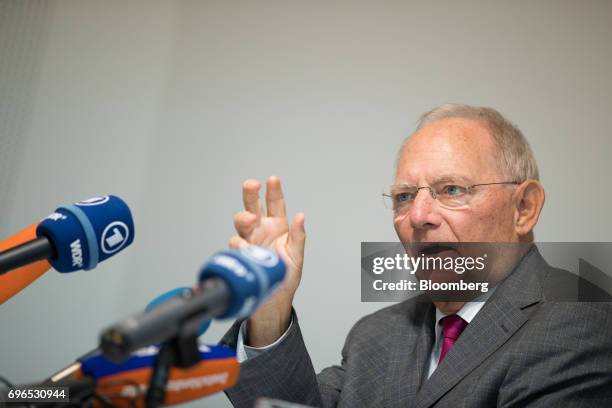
[(404, 197), (452, 190)]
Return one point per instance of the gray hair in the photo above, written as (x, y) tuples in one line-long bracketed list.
[(517, 160)]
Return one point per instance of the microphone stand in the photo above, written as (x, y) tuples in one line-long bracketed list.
[(181, 351)]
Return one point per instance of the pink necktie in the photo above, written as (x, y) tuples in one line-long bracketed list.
[(452, 326)]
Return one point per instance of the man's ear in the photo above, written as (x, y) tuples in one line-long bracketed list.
[(529, 199)]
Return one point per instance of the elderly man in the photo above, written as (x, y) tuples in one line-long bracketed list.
[(465, 175)]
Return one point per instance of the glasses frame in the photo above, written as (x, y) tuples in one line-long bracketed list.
[(434, 194)]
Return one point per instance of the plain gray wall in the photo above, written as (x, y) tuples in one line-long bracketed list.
[(171, 105)]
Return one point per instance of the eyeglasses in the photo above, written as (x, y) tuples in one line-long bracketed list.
[(448, 195)]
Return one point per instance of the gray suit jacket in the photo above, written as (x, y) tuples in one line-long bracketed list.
[(521, 349)]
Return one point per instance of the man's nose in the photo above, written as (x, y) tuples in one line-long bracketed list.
[(423, 211)]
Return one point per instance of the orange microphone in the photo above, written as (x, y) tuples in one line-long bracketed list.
[(126, 384), (211, 375), (74, 237), (12, 283), (94, 381)]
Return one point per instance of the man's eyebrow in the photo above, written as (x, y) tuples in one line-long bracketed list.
[(402, 186), (451, 178), (444, 178)]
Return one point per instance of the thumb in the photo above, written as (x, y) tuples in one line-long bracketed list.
[(297, 238)]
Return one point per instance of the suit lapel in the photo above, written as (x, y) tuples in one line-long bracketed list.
[(496, 322), (410, 349)]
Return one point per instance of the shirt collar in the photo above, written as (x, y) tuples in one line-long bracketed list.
[(469, 310)]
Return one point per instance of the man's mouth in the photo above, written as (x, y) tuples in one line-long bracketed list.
[(435, 249)]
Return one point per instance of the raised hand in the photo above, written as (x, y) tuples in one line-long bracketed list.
[(253, 227)]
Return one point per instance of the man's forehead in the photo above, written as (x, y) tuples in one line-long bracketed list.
[(457, 132), (453, 148)]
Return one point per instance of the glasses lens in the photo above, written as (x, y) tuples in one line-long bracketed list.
[(399, 199), (451, 195)]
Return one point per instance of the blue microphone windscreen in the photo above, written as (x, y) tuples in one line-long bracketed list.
[(88, 232), (252, 273)]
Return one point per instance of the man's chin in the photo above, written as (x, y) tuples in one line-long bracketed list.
[(436, 276)]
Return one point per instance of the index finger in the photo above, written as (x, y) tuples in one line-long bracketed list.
[(250, 197)]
